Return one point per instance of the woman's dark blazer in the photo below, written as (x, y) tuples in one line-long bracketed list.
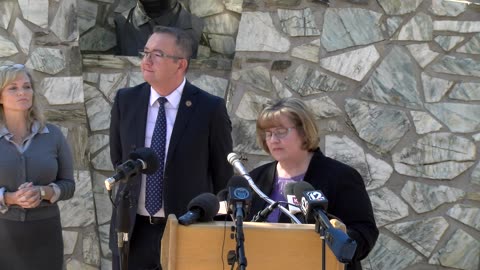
[(347, 198)]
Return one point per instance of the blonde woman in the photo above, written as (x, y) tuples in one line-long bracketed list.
[(36, 171), (287, 131)]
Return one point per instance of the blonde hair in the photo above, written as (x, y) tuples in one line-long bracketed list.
[(297, 112), (10, 73)]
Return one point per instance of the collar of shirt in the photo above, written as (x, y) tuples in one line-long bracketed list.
[(35, 129), (173, 98)]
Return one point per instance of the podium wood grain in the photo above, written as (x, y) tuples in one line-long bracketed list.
[(278, 246)]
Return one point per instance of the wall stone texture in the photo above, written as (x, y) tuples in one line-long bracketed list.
[(394, 84)]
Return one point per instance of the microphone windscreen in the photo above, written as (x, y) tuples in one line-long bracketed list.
[(222, 195), (148, 156), (208, 205), (238, 181), (234, 181), (288, 189), (301, 187), (293, 203)]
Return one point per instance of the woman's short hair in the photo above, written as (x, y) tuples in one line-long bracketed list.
[(8, 74), (295, 110)]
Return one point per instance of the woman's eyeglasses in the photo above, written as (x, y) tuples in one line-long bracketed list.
[(279, 133)]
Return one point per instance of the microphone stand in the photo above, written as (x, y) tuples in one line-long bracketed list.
[(234, 160), (239, 237), (321, 230), (123, 226)]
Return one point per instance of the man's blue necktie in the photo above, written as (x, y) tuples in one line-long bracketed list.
[(153, 192)]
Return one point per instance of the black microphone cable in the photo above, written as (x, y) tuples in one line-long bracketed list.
[(262, 215)]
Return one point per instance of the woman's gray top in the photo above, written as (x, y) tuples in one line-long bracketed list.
[(43, 158)]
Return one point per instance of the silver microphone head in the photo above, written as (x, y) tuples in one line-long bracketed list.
[(232, 157), (109, 183)]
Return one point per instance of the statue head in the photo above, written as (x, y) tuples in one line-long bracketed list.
[(158, 6)]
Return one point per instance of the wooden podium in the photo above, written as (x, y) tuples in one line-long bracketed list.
[(204, 246)]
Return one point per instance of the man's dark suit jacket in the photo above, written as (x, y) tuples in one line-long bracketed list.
[(197, 154), (347, 198)]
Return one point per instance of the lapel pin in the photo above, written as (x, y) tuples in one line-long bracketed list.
[(188, 103)]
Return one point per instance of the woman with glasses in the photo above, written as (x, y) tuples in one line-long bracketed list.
[(287, 131), (36, 171)]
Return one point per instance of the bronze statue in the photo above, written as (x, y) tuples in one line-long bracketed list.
[(134, 30)]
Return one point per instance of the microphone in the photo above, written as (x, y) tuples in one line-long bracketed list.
[(233, 159), (293, 203), (201, 208), (288, 189), (239, 202), (313, 205), (142, 160), (237, 164), (298, 190), (239, 197), (262, 215), (235, 180)]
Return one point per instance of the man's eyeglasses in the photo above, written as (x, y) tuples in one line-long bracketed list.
[(279, 133), (156, 55)]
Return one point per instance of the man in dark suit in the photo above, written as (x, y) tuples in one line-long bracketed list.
[(196, 141)]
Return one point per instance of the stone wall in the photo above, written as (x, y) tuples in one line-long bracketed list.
[(394, 84)]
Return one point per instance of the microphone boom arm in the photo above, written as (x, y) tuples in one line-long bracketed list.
[(235, 161)]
